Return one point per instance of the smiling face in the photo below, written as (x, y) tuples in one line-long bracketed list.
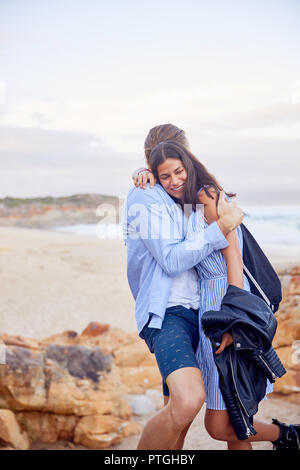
[(172, 176)]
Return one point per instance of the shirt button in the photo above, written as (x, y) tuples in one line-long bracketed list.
[(238, 345)]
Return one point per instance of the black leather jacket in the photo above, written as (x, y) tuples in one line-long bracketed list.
[(245, 365)]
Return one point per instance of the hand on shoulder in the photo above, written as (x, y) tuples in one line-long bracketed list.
[(142, 176)]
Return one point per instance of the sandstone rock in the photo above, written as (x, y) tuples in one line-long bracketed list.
[(95, 329), (19, 341), (98, 432), (123, 410), (51, 389), (291, 398), (22, 379), (68, 337), (287, 338), (288, 330), (108, 341), (139, 379), (295, 271), (47, 427), (46, 380), (130, 428), (10, 431), (135, 354), (288, 383), (80, 361), (71, 387), (290, 356), (294, 286), (68, 395)]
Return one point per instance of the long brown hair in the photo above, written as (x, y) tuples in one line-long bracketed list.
[(163, 133), (197, 174)]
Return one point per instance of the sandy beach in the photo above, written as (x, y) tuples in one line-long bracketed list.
[(51, 282)]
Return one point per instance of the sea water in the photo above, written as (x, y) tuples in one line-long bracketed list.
[(270, 225)]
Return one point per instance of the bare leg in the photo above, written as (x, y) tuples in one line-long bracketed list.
[(164, 429), (239, 445), (218, 425), (180, 442)]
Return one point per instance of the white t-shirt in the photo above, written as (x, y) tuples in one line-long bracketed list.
[(185, 290)]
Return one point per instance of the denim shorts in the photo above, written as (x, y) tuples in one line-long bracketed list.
[(175, 344)]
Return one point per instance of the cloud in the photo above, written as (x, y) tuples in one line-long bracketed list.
[(50, 162), (41, 162), (265, 117), (43, 148)]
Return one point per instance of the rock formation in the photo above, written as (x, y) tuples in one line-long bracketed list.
[(287, 338), (46, 212), (72, 386)]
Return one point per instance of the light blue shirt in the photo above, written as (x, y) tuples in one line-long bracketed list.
[(161, 242)]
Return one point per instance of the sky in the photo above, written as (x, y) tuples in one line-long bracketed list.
[(83, 81)]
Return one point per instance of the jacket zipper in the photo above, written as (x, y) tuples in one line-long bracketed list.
[(274, 376), (240, 403)]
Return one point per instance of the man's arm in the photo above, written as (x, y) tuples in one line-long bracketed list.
[(152, 220)]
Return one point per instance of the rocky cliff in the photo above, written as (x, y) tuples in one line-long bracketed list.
[(287, 338), (71, 387), (49, 211)]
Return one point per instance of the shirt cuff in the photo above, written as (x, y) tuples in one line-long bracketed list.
[(213, 234), (156, 321)]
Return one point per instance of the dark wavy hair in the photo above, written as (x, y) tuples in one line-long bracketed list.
[(197, 174)]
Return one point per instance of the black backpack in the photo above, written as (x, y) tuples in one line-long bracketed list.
[(261, 275)]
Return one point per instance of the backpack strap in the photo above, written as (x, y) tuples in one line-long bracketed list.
[(258, 287)]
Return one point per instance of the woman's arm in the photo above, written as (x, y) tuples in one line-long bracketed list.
[(232, 253), (234, 261)]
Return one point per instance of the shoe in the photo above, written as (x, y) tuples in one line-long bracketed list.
[(289, 438)]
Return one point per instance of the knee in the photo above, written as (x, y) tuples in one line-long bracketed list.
[(216, 433), (220, 432), (184, 409)]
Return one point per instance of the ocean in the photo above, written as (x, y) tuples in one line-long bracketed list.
[(270, 225)]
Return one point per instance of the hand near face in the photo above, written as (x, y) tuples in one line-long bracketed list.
[(230, 214), (142, 177)]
